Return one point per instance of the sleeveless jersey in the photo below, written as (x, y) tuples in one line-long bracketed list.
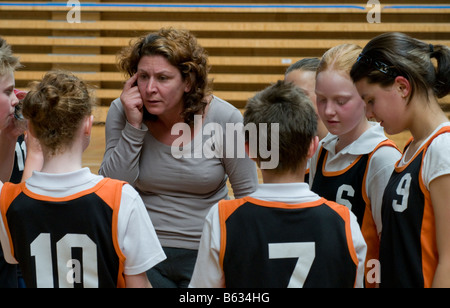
[(65, 242), (348, 187), (270, 244), (408, 251)]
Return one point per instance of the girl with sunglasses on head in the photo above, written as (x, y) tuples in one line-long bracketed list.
[(354, 162), (396, 77)]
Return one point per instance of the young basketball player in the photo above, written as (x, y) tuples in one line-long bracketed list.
[(396, 77), (8, 101), (8, 137), (303, 74), (65, 226), (283, 235), (355, 161)]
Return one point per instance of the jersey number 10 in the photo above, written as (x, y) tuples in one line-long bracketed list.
[(68, 269)]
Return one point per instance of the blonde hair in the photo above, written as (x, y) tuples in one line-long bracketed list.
[(8, 62), (56, 106), (340, 58)]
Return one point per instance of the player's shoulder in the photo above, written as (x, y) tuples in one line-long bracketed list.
[(118, 192), (343, 211)]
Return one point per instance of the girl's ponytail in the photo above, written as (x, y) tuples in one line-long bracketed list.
[(396, 54), (442, 54)]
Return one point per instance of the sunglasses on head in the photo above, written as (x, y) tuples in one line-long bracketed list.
[(380, 66)]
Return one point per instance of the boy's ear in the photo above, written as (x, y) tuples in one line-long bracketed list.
[(313, 147)]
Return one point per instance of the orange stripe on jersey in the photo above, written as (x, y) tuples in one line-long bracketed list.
[(111, 193), (445, 129), (428, 238), (368, 226), (336, 173), (344, 212), (62, 199), (8, 194), (282, 205), (226, 208), (428, 231)]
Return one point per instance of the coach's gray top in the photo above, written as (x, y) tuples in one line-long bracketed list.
[(180, 185)]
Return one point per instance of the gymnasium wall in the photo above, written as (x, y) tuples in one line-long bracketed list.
[(250, 45)]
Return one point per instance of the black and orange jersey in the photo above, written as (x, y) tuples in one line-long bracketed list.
[(408, 250), (348, 187), (271, 244), (65, 242)]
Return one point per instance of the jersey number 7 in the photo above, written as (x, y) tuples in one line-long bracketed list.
[(305, 252)]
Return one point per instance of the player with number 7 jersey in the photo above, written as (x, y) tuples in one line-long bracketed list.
[(259, 242), (283, 234)]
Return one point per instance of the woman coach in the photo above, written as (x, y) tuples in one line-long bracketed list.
[(168, 84)]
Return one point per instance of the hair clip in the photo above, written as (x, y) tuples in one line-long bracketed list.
[(380, 66)]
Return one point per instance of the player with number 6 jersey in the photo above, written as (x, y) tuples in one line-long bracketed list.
[(282, 235), (356, 159)]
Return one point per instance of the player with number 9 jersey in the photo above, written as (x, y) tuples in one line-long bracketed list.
[(402, 78), (408, 249)]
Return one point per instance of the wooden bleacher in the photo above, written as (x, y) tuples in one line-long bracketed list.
[(250, 45)]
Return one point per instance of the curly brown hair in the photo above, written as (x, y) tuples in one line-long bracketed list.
[(56, 106), (181, 49)]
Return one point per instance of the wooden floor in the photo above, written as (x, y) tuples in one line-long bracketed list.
[(94, 154)]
